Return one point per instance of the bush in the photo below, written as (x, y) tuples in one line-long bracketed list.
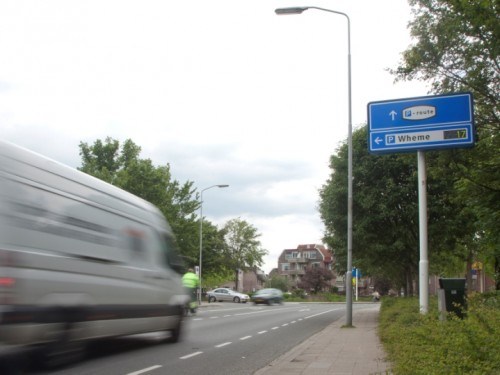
[(423, 344)]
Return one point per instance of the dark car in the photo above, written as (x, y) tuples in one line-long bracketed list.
[(268, 296)]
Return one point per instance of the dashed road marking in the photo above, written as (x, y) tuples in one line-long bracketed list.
[(229, 342), (223, 344), (191, 355), (144, 370), (318, 314)]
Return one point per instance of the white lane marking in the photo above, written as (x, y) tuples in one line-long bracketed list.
[(191, 355), (318, 314), (213, 309), (214, 317), (252, 312), (261, 332), (225, 316), (275, 328), (144, 370), (284, 325), (300, 319), (293, 321), (244, 338), (198, 319), (223, 344)]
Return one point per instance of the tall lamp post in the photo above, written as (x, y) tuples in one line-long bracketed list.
[(299, 10), (201, 231)]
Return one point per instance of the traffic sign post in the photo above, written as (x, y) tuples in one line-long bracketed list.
[(423, 123), (420, 124)]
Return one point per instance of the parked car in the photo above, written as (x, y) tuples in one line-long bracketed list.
[(268, 296), (226, 294)]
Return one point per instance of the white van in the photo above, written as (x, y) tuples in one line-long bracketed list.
[(79, 259)]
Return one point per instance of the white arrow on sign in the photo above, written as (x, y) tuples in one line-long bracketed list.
[(378, 140), (393, 114)]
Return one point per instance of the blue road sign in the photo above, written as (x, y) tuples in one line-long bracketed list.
[(423, 123)]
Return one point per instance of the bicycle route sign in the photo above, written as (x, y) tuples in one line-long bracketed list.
[(422, 123)]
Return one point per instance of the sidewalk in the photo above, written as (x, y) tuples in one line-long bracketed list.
[(337, 350)]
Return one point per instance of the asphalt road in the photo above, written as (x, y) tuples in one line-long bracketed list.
[(223, 338)]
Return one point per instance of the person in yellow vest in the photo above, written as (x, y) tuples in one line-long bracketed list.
[(191, 282)]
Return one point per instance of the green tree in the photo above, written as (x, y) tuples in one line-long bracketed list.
[(101, 159), (242, 247), (278, 282), (214, 262), (456, 49)]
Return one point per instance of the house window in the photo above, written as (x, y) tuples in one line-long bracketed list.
[(285, 266), (309, 254), (315, 265)]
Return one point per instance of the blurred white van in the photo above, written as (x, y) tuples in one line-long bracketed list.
[(80, 259)]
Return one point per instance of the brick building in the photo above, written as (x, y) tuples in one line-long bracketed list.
[(292, 263)]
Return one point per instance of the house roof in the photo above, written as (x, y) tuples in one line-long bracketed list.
[(325, 253)]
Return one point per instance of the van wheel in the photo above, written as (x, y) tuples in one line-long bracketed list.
[(60, 352), (175, 333)]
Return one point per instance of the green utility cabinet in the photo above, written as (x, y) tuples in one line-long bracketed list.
[(451, 297)]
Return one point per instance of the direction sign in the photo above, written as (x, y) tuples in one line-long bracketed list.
[(423, 123)]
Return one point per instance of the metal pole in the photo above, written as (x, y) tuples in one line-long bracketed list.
[(201, 244), (348, 280), (422, 216), (349, 178)]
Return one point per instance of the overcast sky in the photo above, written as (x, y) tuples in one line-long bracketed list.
[(225, 91)]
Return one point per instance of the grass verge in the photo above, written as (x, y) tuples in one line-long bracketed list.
[(423, 344)]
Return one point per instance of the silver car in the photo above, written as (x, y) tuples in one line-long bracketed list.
[(226, 294)]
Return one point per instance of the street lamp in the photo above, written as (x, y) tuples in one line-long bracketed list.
[(201, 231), (299, 10)]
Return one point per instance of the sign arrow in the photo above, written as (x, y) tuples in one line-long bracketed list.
[(393, 114), (378, 140)]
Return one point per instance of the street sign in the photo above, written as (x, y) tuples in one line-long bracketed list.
[(356, 272), (423, 123)]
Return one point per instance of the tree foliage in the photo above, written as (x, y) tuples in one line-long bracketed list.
[(278, 282), (456, 49), (315, 279), (243, 249)]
